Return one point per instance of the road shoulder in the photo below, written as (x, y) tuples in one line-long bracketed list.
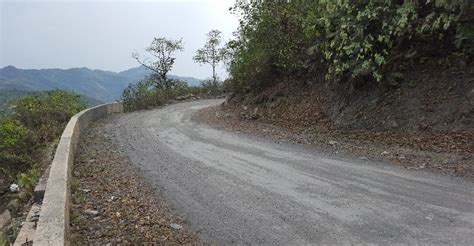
[(111, 202)]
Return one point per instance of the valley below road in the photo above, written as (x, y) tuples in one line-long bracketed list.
[(232, 188)]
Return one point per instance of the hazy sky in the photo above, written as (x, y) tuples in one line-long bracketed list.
[(102, 34)]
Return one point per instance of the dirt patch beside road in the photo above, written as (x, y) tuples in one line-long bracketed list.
[(112, 203)]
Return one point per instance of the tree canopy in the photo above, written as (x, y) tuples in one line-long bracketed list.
[(212, 53), (160, 59)]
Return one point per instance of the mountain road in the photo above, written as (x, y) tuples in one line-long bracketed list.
[(232, 188)]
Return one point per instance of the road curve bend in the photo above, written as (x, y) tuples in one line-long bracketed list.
[(238, 189)]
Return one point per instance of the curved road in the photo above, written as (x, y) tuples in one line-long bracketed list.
[(237, 189)]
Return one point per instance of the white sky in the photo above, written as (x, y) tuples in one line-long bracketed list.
[(102, 34)]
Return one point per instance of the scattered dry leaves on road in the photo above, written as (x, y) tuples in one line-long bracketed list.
[(129, 212)]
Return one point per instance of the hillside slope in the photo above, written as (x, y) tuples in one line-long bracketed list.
[(426, 121), (7, 95), (101, 85), (10, 94), (431, 98)]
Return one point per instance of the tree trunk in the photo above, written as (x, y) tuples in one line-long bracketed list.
[(214, 73)]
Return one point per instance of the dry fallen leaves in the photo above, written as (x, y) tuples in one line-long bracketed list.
[(130, 212)]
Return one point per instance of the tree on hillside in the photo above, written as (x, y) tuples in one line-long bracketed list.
[(212, 53), (160, 59)]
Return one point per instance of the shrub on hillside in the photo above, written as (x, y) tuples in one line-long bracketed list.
[(360, 38), (145, 94), (14, 139), (46, 113), (211, 87), (142, 95), (269, 43), (35, 121), (344, 40)]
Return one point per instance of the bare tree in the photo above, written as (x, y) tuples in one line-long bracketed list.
[(212, 53), (160, 59)]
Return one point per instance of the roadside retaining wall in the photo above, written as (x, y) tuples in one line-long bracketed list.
[(53, 225)]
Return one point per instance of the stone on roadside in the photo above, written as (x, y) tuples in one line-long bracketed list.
[(85, 190), (394, 124), (402, 157), (333, 142), (176, 226), (90, 212), (14, 188), (385, 153)]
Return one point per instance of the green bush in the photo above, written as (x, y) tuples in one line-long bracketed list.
[(360, 38), (211, 87), (28, 179), (13, 146), (344, 40), (12, 133), (177, 88), (145, 94), (34, 122), (270, 43), (46, 113)]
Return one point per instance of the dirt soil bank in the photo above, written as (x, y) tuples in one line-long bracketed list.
[(435, 96), (129, 211), (424, 121)]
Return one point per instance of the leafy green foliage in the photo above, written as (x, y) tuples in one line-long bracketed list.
[(14, 149), (7, 95), (145, 95), (28, 179), (47, 113), (142, 95), (359, 38), (211, 87), (34, 122), (270, 42), (12, 133), (344, 40)]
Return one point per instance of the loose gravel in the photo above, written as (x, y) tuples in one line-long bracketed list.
[(111, 202), (235, 188)]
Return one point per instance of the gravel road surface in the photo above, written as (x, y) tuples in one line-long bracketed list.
[(238, 189)]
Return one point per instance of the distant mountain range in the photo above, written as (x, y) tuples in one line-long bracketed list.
[(102, 85)]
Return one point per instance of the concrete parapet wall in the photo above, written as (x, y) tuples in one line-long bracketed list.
[(53, 225)]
